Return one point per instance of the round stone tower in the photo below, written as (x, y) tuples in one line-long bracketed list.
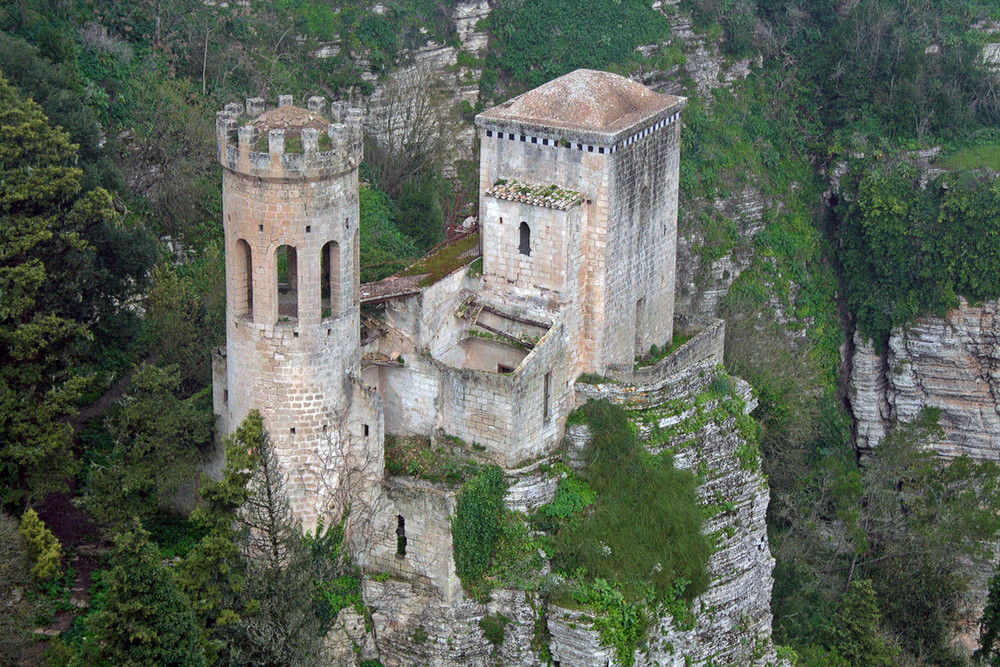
[(290, 212)]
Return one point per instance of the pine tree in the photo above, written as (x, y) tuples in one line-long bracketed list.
[(146, 619), (989, 625), (157, 443), (854, 633), (67, 266)]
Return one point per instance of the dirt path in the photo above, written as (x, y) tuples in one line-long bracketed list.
[(75, 530), (106, 399)]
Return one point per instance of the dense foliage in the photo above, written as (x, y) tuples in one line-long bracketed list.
[(645, 526), (157, 439), (534, 42), (59, 280), (477, 525), (145, 619), (908, 248)]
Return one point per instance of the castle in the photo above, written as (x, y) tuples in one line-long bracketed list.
[(480, 343)]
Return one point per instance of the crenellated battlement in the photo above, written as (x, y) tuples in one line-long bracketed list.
[(288, 142)]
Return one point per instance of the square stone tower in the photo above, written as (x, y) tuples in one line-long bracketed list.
[(578, 210)]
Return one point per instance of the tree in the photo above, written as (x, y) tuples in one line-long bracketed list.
[(265, 591), (157, 441), (44, 548), (989, 625), (18, 609), (855, 634), (189, 302), (42, 219), (146, 619), (907, 521)]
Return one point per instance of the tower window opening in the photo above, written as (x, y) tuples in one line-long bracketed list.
[(546, 397), (640, 315), (330, 280), (366, 430), (525, 243), (400, 535), (244, 280), (288, 283)]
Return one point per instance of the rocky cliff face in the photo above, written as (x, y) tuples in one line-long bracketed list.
[(951, 363), (697, 408)]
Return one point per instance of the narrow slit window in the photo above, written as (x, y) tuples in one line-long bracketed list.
[(400, 535), (546, 397), (640, 316), (288, 283), (525, 241), (330, 280)]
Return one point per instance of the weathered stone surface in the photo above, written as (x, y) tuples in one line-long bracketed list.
[(701, 288), (951, 363), (414, 628)]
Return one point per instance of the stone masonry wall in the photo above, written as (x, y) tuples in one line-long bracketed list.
[(555, 247), (708, 343), (426, 511), (642, 246), (295, 367), (581, 171)]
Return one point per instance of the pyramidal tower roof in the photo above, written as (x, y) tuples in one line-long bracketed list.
[(584, 101)]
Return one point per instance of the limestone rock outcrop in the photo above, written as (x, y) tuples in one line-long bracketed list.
[(951, 363)]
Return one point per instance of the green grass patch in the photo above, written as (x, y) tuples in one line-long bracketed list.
[(414, 456), (440, 263), (974, 157)]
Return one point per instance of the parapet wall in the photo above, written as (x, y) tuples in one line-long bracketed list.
[(708, 343), (338, 151)]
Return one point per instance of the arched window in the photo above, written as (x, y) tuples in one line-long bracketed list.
[(330, 280), (525, 245), (288, 283), (243, 289)]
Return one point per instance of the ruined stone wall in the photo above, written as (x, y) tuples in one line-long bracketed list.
[(642, 246), (950, 363), (554, 255), (421, 512)]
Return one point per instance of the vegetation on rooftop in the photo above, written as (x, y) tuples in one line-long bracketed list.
[(444, 260), (415, 456)]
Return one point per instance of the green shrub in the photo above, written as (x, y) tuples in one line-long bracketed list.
[(43, 547), (478, 524), (493, 626), (420, 635), (908, 250), (645, 527)]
